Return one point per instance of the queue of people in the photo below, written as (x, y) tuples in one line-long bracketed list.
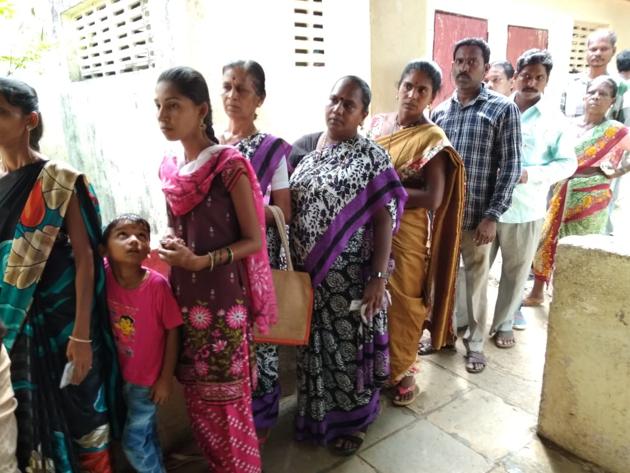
[(92, 339)]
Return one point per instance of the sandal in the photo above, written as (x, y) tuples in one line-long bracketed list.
[(530, 301), (348, 444), (427, 348), (475, 362), (504, 339), (402, 391)]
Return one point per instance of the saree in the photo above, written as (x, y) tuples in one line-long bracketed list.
[(425, 251), (335, 192), (580, 205), (265, 152), (219, 307), (60, 430)]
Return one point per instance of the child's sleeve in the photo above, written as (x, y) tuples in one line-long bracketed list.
[(171, 313)]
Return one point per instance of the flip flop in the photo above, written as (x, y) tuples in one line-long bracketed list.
[(427, 348), (504, 339), (401, 391), (475, 358), (355, 439)]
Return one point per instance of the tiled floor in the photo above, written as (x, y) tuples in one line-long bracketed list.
[(460, 423)]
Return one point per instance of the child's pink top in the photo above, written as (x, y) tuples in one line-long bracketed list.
[(140, 318)]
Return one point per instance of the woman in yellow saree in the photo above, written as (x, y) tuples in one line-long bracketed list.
[(426, 247)]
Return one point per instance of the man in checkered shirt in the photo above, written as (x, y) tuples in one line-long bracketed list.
[(484, 127)]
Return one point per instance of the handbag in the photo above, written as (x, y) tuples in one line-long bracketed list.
[(294, 296)]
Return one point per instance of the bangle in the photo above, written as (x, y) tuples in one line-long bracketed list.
[(79, 340), (211, 258), (230, 255)]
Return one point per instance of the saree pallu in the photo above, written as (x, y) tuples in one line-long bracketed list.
[(580, 205), (424, 277), (61, 430), (266, 152), (335, 193)]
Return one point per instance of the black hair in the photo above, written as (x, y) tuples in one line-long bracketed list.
[(254, 71), (506, 66), (191, 84), (608, 81), (125, 218), (21, 95), (430, 68), (535, 56), (610, 35), (623, 61), (477, 42), (366, 93)]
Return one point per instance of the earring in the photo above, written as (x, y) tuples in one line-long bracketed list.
[(202, 124), (29, 128)]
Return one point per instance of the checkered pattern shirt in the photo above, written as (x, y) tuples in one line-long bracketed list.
[(487, 134)]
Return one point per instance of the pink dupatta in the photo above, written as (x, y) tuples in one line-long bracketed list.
[(185, 186)]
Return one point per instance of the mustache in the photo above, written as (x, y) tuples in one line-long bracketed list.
[(530, 90), (463, 74)]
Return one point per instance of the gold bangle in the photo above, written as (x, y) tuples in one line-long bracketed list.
[(79, 340)]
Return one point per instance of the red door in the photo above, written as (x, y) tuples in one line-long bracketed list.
[(448, 29), (521, 38)]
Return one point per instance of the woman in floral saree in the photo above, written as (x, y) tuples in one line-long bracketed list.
[(221, 274), (347, 200), (580, 204), (243, 93), (52, 301)]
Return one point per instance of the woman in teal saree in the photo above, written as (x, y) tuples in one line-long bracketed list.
[(52, 300)]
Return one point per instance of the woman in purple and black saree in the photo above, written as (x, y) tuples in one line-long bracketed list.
[(243, 93), (347, 201), (52, 301)]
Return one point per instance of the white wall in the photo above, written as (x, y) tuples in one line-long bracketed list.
[(107, 128)]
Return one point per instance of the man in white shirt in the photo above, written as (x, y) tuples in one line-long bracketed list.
[(548, 156), (600, 49)]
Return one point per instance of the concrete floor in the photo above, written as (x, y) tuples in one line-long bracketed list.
[(460, 423)]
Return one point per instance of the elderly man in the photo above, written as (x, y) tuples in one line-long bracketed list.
[(548, 157), (500, 77), (601, 47), (484, 128)]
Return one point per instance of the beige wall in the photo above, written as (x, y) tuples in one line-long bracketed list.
[(397, 35), (403, 30), (585, 398)]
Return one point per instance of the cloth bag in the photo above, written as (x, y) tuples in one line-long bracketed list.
[(294, 296)]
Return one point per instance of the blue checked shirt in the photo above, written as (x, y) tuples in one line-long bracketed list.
[(487, 135)]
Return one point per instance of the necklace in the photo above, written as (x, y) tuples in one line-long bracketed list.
[(398, 125)]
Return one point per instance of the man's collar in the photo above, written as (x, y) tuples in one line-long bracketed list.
[(482, 95), (541, 105)]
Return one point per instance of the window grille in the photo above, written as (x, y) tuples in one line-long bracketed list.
[(114, 37), (581, 30), (309, 33)]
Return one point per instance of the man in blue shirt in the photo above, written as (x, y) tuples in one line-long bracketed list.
[(548, 157), (484, 128)]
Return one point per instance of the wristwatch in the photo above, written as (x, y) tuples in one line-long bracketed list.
[(379, 275)]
